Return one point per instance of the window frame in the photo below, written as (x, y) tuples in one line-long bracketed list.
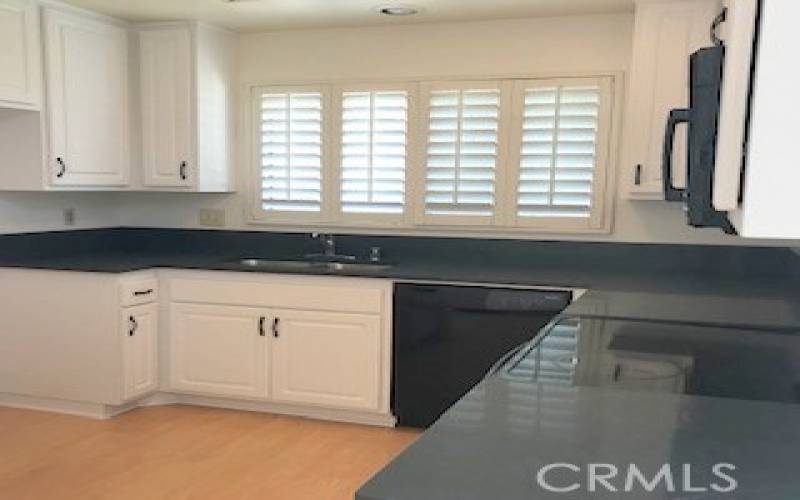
[(426, 88), (257, 211), (365, 219), (503, 225), (600, 173)]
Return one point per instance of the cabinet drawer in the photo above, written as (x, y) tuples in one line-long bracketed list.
[(318, 297), (139, 291)]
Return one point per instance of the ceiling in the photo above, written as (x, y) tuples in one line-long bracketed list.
[(258, 15)]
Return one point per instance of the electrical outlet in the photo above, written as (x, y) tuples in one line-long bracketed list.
[(212, 217), (69, 216)]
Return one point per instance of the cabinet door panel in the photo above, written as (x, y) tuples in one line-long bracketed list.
[(19, 57), (327, 359), (140, 350), (166, 83), (218, 350), (666, 34), (88, 101)]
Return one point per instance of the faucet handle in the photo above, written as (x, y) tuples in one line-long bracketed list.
[(375, 254)]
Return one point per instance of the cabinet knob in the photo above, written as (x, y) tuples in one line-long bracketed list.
[(134, 325)]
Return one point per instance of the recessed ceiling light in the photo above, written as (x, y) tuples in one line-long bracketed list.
[(398, 10)]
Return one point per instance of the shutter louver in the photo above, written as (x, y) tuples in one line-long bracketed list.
[(462, 152), (373, 154), (291, 151), (558, 151)]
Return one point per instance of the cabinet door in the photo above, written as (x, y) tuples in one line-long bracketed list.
[(166, 86), (20, 76), (327, 359), (140, 350), (219, 350), (87, 91), (666, 34)]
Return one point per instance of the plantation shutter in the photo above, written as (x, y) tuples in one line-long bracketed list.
[(291, 150), (559, 148), (462, 156), (374, 130)]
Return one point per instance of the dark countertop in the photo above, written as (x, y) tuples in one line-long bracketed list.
[(679, 394), (737, 286), (492, 443)]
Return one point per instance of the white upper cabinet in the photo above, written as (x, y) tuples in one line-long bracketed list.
[(186, 80), (667, 32), (20, 62), (87, 92), (166, 80)]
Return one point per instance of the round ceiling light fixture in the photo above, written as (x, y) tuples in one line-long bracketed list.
[(398, 10)]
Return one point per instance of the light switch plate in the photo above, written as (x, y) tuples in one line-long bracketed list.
[(212, 217)]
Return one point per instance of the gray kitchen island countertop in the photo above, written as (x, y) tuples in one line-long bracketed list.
[(493, 442)]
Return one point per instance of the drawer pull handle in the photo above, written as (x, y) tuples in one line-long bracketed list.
[(134, 325), (182, 170), (261, 322), (140, 293), (275, 327)]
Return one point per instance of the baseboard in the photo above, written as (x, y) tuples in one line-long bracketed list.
[(102, 411), (319, 413), (78, 408)]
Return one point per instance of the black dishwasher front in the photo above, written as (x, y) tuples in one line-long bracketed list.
[(447, 337)]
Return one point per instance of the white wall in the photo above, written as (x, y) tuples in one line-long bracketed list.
[(31, 212), (510, 47)]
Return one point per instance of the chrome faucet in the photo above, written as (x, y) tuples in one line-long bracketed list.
[(328, 243)]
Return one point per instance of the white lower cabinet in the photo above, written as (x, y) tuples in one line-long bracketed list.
[(139, 350), (327, 359), (76, 342), (219, 350), (314, 346), (319, 347)]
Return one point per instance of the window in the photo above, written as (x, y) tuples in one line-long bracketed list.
[(290, 149), (502, 155), (463, 151), (563, 127), (374, 128)]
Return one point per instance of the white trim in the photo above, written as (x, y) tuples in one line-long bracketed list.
[(256, 213), (601, 194), (390, 220), (98, 411)]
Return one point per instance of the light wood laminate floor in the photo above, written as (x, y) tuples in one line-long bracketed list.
[(181, 452)]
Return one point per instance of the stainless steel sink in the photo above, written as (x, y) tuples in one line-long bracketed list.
[(309, 265)]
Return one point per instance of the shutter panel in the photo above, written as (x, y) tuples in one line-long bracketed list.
[(462, 152), (291, 151), (558, 156), (373, 153)]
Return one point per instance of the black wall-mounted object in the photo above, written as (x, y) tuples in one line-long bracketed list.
[(702, 118)]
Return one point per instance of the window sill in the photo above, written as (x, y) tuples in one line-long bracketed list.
[(404, 228)]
